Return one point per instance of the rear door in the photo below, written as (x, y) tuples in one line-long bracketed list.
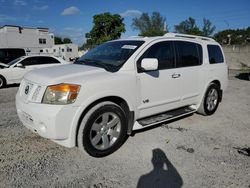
[(217, 69), (160, 89), (189, 61)]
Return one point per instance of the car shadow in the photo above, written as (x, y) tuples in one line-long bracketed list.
[(243, 76), (164, 174), (10, 86)]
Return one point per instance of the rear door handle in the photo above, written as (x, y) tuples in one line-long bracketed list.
[(176, 75)]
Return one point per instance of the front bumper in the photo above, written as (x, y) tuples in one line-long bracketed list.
[(49, 121)]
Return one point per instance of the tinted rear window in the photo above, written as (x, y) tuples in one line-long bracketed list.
[(215, 54), (189, 54)]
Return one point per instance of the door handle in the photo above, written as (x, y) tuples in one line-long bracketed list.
[(176, 75)]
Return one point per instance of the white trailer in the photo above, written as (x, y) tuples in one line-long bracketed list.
[(32, 40), (68, 52)]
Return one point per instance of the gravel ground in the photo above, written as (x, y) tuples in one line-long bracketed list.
[(195, 151)]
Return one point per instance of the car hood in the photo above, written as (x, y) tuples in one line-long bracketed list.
[(72, 73)]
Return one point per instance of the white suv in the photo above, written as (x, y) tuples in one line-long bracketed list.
[(121, 86)]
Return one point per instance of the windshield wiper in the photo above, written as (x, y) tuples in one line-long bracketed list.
[(94, 62)]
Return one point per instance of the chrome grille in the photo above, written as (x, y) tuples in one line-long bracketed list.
[(29, 91)]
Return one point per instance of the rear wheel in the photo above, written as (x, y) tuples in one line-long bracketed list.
[(210, 100), (103, 129), (2, 82)]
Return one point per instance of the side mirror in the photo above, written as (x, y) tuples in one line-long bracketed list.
[(20, 65), (149, 64)]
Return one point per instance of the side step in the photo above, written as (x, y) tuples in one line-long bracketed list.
[(166, 116)]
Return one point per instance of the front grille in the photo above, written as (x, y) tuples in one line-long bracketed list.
[(29, 91)]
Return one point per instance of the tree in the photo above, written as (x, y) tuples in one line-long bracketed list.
[(154, 25), (188, 27), (233, 36), (58, 40), (67, 41), (106, 27), (207, 29)]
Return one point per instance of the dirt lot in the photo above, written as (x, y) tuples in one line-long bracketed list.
[(195, 151)]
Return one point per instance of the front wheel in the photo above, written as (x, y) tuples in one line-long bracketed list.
[(103, 129), (210, 100)]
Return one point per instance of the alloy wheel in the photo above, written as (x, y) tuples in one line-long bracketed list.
[(105, 130), (212, 99)]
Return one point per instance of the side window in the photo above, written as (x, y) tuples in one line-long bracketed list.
[(215, 54), (47, 60), (29, 61), (189, 54), (163, 51)]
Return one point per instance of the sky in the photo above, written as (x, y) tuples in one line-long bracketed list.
[(73, 18)]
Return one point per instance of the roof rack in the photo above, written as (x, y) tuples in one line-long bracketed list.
[(188, 36)]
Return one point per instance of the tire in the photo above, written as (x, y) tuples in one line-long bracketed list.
[(2, 82), (210, 100), (102, 130)]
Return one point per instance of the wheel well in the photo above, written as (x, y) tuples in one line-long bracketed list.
[(217, 82), (5, 81), (117, 100)]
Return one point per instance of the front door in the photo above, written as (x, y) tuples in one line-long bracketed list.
[(160, 89), (28, 63)]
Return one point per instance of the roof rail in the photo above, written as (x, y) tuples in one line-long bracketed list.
[(140, 37), (135, 36), (188, 36)]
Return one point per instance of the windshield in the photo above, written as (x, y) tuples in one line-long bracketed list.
[(110, 55), (14, 61)]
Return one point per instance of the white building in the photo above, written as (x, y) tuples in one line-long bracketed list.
[(30, 39), (35, 41), (66, 51)]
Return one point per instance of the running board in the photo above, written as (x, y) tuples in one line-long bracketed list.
[(166, 116)]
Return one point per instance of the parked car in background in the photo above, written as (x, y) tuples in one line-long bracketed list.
[(9, 54), (14, 71)]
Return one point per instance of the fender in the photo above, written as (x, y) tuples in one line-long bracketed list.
[(91, 100)]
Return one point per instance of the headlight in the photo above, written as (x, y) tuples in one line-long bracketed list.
[(61, 94)]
